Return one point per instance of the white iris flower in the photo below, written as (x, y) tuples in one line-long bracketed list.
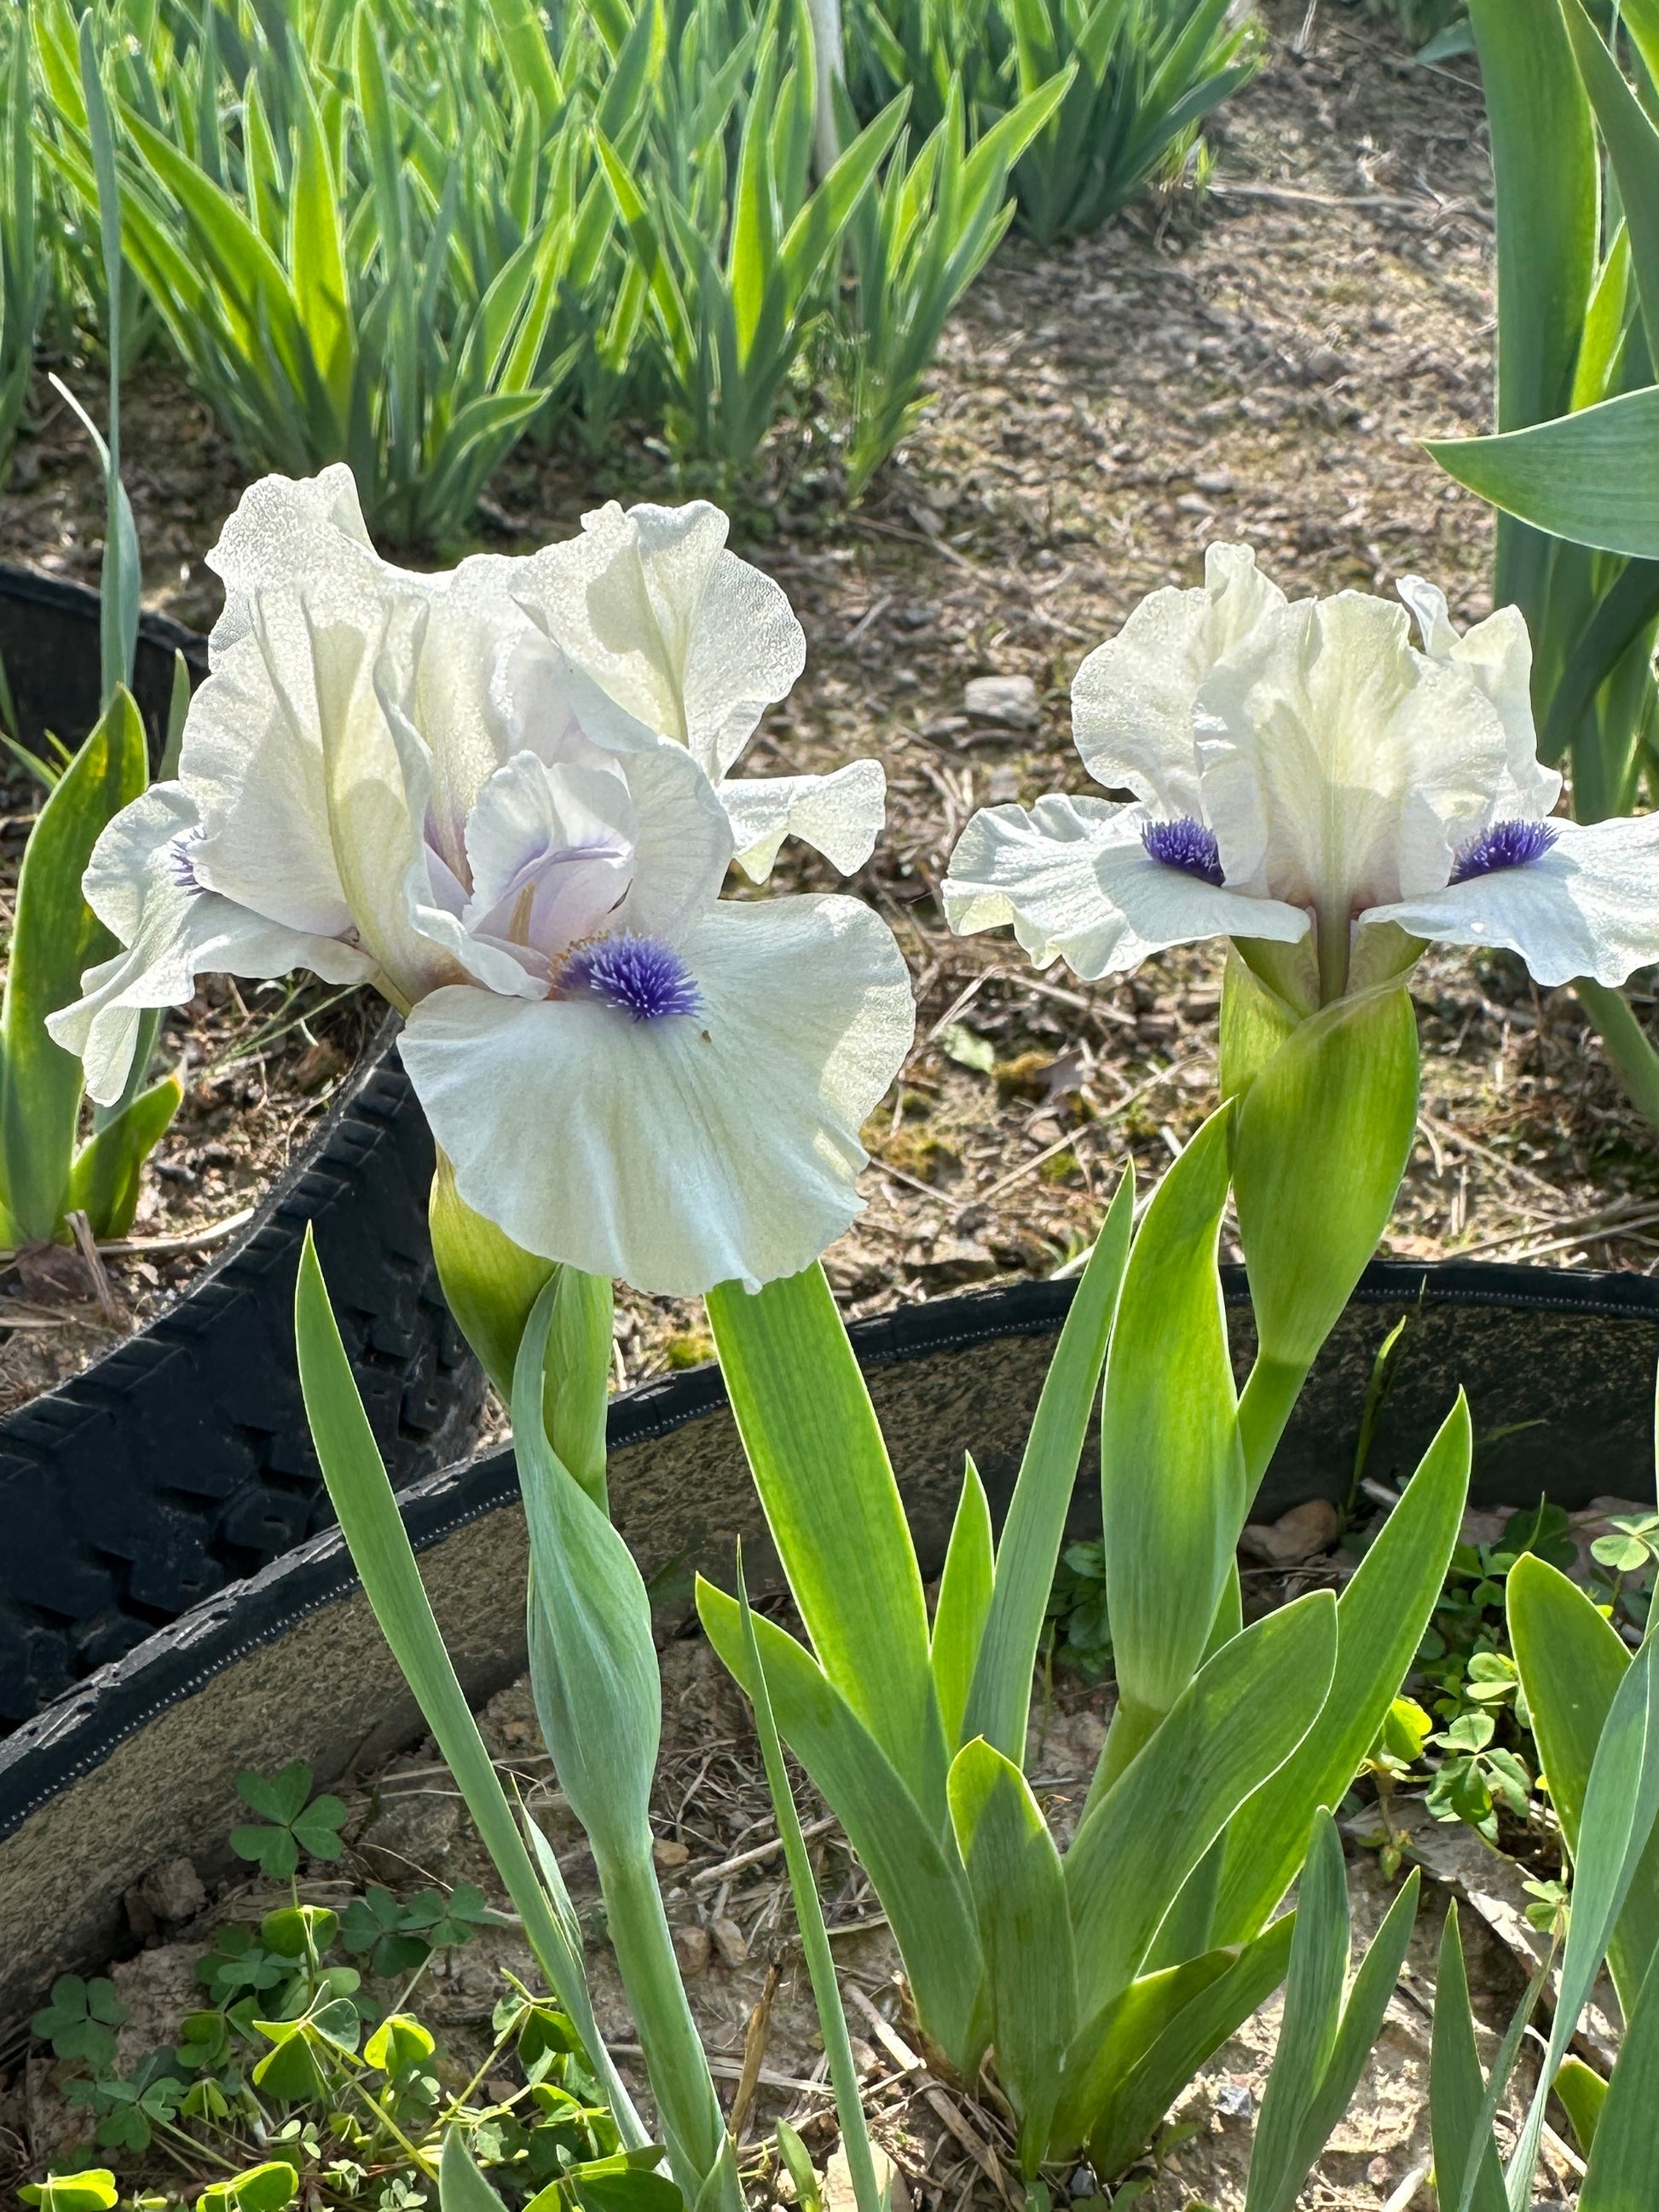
[(407, 781), (1303, 778), (697, 645)]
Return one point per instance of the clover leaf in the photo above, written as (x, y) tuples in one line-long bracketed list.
[(93, 2190), (448, 1926), (377, 1924), (265, 2188), (79, 2021), (298, 1822), (131, 2104)]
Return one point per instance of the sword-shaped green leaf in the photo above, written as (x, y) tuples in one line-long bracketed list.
[(1239, 1719), (1171, 1470), (1381, 1617), (55, 937), (1026, 1931), (381, 1551), (999, 1700), (821, 1468), (917, 1873), (1571, 1661), (964, 1600)]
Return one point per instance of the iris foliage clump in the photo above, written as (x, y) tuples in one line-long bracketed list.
[(403, 236)]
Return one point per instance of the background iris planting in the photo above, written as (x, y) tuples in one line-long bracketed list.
[(407, 236)]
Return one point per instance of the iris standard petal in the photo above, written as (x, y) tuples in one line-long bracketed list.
[(142, 883), (1498, 654), (839, 815), (689, 640), (253, 760), (1587, 905), (684, 843), (689, 1150), (287, 534), (1132, 700), (1074, 878), (1340, 769)]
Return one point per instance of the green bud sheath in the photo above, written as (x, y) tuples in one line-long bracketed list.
[(490, 1282), (491, 1285), (1256, 1019), (1320, 1140)]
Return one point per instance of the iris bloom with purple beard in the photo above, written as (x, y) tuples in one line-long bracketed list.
[(460, 789), (1308, 783)]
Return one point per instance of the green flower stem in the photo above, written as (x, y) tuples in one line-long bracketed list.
[(1268, 1401), (421, 2160), (693, 2126), (1333, 938), (1628, 1045)]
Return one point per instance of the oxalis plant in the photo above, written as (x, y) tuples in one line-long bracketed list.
[(504, 796), (1594, 1710)]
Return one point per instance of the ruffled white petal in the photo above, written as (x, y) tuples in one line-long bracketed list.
[(1132, 700), (252, 761), (139, 884), (688, 1151), (289, 535), (1498, 654), (1075, 881), (684, 635), (684, 843), (839, 815), (1589, 906), (1340, 769)]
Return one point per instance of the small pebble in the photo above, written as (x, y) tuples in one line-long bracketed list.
[(730, 1941), (667, 1852), (691, 1948), (1011, 700)]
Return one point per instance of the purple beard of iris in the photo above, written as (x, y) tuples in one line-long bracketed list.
[(1504, 845), (181, 868), (1186, 845), (640, 976)]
